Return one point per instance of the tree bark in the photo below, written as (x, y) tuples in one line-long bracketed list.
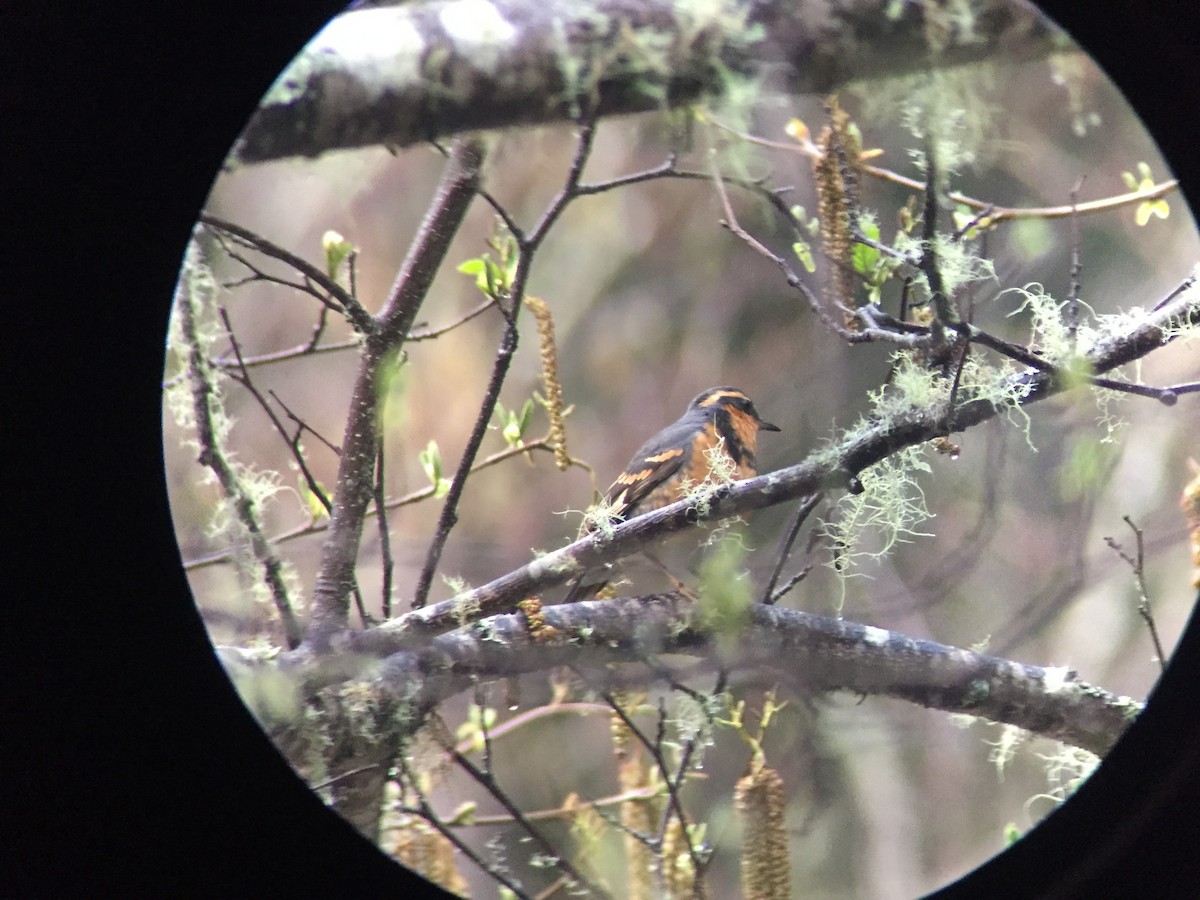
[(397, 75)]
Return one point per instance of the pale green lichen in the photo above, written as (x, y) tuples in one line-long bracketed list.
[(1066, 769), (1004, 748), (890, 507)]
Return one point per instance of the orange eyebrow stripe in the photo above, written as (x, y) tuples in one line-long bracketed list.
[(717, 396)]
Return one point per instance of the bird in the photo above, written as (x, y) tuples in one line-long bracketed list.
[(681, 456)]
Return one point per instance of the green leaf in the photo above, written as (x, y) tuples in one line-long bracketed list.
[(1152, 208), (865, 258), (491, 273), (512, 257), (512, 430), (431, 462), (471, 266), (804, 253), (488, 277), (526, 415), (1144, 181)]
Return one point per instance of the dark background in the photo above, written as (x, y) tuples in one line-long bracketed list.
[(131, 767)]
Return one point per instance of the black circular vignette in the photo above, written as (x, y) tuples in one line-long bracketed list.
[(131, 766), (136, 770)]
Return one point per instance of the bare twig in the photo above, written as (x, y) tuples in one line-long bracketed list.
[(543, 444), (448, 517), (993, 213), (1076, 266), (674, 805), (431, 333), (388, 564), (301, 427), (803, 511), (488, 783), (786, 587), (243, 378), (342, 299), (1137, 563), (425, 810), (793, 279)]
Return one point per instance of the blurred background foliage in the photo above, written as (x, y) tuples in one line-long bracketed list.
[(653, 302)]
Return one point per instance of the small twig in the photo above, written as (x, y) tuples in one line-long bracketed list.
[(263, 359), (1076, 267), (481, 705), (962, 232), (1166, 396), (1185, 285), (1138, 564), (793, 279), (319, 330), (788, 585), (803, 511), (929, 261), (342, 776), (425, 493), (247, 382), (258, 274), (430, 333), (568, 192), (309, 348), (425, 811), (340, 298), (488, 783), (302, 427), (964, 350), (387, 563), (997, 213), (449, 514), (565, 812), (674, 805), (668, 167)]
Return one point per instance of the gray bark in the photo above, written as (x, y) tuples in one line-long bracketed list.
[(397, 75)]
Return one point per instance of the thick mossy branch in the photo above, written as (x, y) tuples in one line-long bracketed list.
[(397, 75), (812, 653)]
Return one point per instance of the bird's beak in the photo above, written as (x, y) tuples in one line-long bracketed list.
[(767, 426)]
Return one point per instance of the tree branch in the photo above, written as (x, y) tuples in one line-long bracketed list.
[(813, 653), (205, 398), (355, 482), (832, 467), (397, 75)]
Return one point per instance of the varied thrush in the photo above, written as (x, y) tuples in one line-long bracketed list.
[(682, 456)]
